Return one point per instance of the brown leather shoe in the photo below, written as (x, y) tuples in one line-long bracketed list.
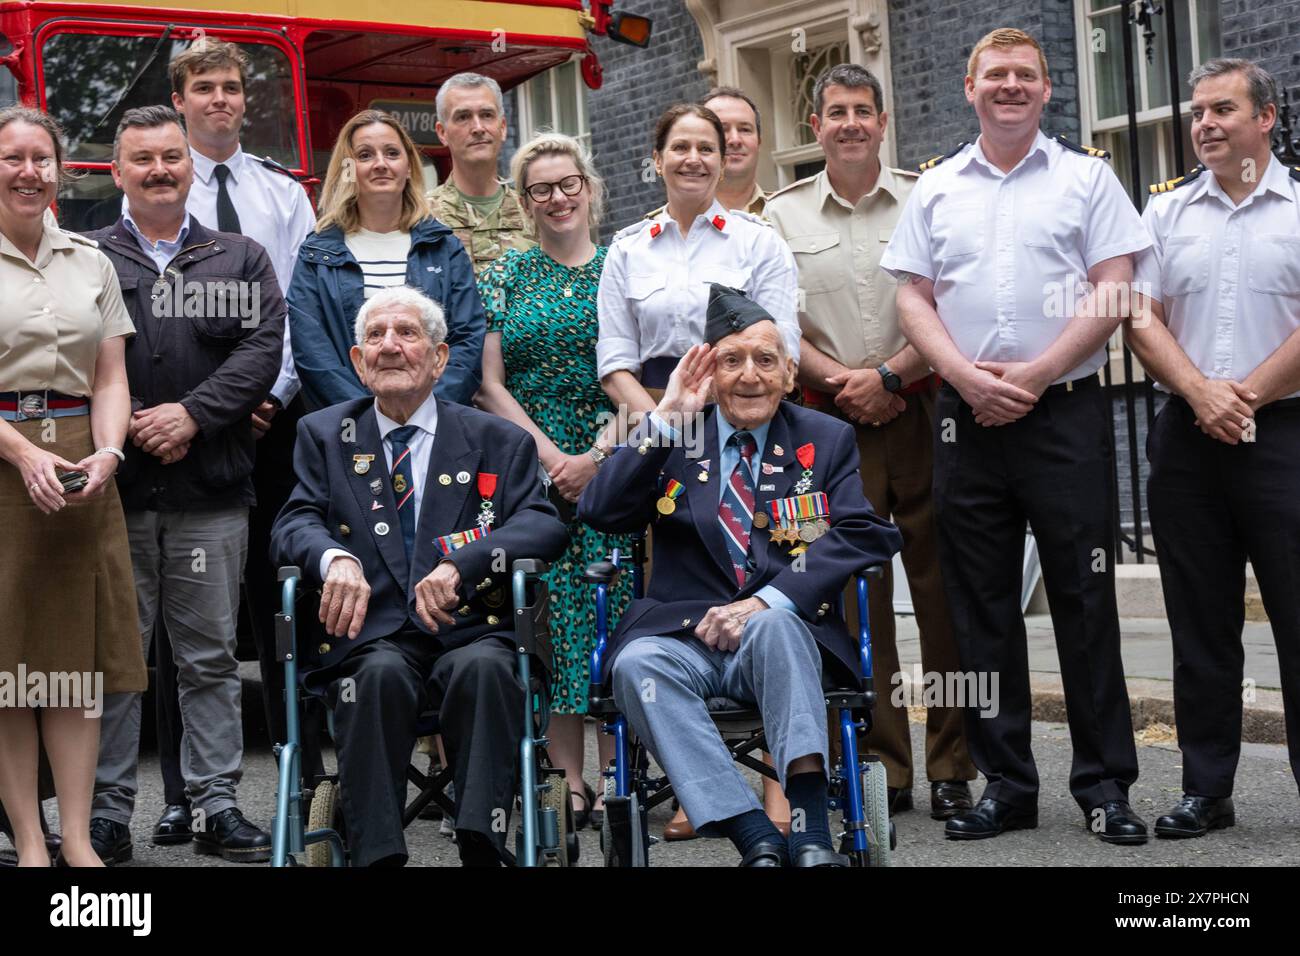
[(679, 828)]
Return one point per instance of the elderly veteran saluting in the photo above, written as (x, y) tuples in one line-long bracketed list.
[(730, 611), (402, 527)]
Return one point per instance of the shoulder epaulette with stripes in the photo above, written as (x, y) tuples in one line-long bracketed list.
[(1295, 173), (1092, 151), (936, 160), (1188, 177)]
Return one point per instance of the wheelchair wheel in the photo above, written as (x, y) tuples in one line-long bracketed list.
[(875, 807), (556, 797), (324, 813)]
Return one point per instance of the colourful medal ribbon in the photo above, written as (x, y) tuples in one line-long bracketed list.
[(673, 489)]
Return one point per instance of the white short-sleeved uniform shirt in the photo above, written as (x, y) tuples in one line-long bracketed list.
[(654, 290), (1228, 276), (1009, 253), (274, 212)]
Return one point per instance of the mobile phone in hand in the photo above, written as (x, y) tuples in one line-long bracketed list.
[(72, 481)]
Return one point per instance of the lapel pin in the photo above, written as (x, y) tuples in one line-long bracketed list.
[(376, 487), (444, 479), (361, 463), (778, 450), (462, 477), (376, 506), (381, 529), (344, 530)]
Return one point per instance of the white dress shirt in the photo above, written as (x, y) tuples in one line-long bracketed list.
[(1228, 276), (274, 212), (654, 290), (425, 418), (1006, 250)]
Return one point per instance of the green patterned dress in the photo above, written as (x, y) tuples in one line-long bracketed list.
[(548, 343)]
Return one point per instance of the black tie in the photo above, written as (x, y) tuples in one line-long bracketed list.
[(227, 218)]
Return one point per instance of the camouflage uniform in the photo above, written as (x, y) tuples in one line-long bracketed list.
[(507, 228)]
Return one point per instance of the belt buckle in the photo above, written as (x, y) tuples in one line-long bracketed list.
[(32, 405)]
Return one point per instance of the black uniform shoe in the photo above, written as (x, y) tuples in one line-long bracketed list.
[(900, 800), (989, 818), (53, 842), (231, 837), (110, 840), (1196, 816), (949, 798), (765, 854), (1122, 824), (173, 826), (810, 854)]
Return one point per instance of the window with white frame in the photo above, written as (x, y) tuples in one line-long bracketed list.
[(1197, 28), (555, 101)]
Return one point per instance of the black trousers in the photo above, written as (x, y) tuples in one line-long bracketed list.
[(380, 690), (273, 482), (1213, 506), (1051, 469)]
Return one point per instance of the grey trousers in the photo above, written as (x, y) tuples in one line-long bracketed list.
[(662, 684), (187, 566)]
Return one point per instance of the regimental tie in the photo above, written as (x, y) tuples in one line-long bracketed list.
[(404, 482), (227, 218), (736, 510)]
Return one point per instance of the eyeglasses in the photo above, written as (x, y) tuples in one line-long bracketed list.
[(569, 185)]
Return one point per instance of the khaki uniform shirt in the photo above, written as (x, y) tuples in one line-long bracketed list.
[(846, 301), (757, 202), (56, 312), (488, 239)]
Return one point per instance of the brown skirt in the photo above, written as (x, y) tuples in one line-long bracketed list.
[(67, 594)]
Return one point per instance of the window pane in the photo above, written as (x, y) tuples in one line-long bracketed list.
[(1207, 31), (1158, 70), (1120, 162), (1108, 66), (539, 97), (567, 91), (86, 75), (804, 70)]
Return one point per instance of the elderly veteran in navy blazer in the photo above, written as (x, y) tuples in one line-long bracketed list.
[(755, 533), (409, 512)]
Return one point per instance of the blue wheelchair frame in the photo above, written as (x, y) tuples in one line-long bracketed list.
[(629, 769), (544, 834)]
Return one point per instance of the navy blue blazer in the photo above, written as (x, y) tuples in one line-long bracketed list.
[(332, 507), (692, 568)]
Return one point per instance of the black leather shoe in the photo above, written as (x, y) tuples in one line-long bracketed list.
[(1196, 816), (765, 854), (53, 842), (810, 854), (1122, 824), (949, 798), (900, 800), (231, 837), (110, 840), (173, 826), (989, 818)]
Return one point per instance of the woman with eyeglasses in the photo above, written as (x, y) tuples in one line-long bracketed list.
[(539, 371)]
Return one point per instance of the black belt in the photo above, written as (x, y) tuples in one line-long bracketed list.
[(656, 371)]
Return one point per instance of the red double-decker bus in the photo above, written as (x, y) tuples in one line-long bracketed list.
[(313, 63)]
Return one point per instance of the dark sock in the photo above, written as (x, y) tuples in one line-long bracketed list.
[(746, 830), (809, 815)]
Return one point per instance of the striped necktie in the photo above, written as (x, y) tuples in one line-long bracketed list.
[(736, 510), (404, 482)]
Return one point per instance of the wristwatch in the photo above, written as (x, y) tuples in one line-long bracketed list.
[(892, 382), (598, 456)]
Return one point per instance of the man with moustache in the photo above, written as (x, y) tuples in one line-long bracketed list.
[(210, 322), (857, 365), (1223, 337)]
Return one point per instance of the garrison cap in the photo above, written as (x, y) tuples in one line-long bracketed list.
[(730, 311)]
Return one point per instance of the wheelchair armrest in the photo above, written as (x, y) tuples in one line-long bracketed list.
[(602, 572), (288, 571), (530, 566), (873, 571)]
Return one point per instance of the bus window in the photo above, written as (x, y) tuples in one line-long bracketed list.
[(85, 75), (8, 84)]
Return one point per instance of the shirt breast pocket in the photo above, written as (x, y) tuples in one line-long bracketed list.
[(1055, 225), (1186, 265), (1275, 264), (818, 258), (733, 277), (642, 288), (958, 230)]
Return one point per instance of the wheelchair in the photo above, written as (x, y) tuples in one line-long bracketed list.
[(857, 782), (545, 834)]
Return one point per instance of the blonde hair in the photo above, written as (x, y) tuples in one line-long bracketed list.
[(558, 144), (1004, 38), (338, 196)]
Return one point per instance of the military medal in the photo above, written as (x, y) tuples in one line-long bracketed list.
[(799, 520), (806, 454), (361, 463), (452, 542), (704, 470), (760, 519), (668, 503), (487, 486), (399, 483)]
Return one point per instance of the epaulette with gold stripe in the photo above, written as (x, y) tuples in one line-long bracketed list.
[(1295, 173), (1092, 151), (1188, 177), (936, 160)]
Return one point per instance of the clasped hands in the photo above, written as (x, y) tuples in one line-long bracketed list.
[(346, 597), (722, 627), (164, 431)]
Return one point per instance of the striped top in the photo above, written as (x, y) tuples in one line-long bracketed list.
[(382, 257)]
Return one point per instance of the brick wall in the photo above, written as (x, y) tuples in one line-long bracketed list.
[(930, 42), (1267, 31)]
